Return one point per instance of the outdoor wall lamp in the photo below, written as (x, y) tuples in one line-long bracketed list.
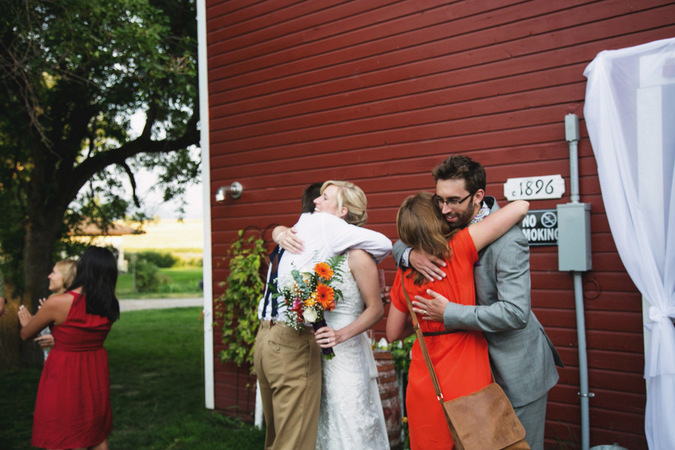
[(234, 191)]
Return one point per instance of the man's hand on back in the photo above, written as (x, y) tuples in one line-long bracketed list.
[(428, 265), (430, 308), (287, 239)]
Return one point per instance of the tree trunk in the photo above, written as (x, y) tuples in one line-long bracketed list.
[(13, 351), (38, 251), (41, 237)]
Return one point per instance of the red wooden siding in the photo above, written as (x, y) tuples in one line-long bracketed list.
[(378, 92)]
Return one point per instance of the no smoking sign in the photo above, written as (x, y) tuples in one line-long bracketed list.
[(540, 227)]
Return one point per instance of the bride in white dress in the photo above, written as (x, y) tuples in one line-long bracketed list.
[(351, 415)]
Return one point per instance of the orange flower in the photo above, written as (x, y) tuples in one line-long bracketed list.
[(325, 296), (311, 301), (323, 270)]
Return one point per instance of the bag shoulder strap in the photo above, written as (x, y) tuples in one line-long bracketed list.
[(423, 345)]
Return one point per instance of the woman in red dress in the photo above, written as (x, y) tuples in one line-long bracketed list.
[(72, 409), (460, 358)]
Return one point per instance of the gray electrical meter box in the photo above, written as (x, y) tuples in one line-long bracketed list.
[(574, 237)]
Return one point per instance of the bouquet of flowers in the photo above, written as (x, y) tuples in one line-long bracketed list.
[(310, 293)]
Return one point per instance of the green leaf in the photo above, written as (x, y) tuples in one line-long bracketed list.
[(238, 304)]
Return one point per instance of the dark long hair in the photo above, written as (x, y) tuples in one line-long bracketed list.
[(97, 275)]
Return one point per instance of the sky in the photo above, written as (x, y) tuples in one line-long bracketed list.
[(152, 201)]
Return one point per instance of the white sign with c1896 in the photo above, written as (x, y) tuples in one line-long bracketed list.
[(534, 188)]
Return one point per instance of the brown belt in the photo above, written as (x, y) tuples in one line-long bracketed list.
[(440, 333)]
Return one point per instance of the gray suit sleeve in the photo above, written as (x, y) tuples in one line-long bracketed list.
[(502, 291), (397, 252)]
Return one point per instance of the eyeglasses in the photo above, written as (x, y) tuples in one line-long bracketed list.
[(452, 201)]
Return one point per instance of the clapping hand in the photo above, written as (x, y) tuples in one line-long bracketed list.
[(24, 316)]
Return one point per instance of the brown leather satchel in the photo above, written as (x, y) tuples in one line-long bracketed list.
[(483, 420)]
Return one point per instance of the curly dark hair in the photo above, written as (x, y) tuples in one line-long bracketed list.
[(461, 167)]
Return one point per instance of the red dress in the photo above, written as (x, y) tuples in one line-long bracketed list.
[(460, 359), (72, 409)]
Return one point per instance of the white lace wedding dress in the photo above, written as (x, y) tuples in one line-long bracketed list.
[(351, 415)]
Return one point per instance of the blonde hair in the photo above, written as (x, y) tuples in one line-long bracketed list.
[(68, 269), (420, 224), (351, 197)]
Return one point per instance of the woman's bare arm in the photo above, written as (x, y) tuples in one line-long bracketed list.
[(54, 311), (497, 223), (364, 270), (398, 325)]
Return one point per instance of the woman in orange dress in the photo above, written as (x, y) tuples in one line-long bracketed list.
[(460, 357), (72, 409)]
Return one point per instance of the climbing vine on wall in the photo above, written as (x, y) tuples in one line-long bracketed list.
[(237, 307)]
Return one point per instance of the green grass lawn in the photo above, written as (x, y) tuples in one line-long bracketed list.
[(156, 371), (175, 282)]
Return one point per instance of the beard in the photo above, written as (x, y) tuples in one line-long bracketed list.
[(463, 218)]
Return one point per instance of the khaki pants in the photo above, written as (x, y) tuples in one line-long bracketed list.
[(288, 367)]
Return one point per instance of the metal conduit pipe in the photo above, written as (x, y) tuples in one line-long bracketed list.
[(572, 136), (583, 364)]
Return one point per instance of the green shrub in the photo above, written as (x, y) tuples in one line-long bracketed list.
[(159, 259), (401, 352), (190, 262), (195, 262), (145, 276)]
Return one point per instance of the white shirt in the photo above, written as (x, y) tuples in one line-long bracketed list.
[(324, 236)]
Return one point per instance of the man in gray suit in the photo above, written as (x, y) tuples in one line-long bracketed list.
[(522, 357)]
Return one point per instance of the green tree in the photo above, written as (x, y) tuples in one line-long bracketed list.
[(72, 73)]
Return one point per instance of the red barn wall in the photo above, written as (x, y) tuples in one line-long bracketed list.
[(378, 92)]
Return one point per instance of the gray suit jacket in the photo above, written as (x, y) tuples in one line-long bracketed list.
[(522, 357)]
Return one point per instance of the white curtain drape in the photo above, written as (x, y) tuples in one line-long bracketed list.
[(630, 117)]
